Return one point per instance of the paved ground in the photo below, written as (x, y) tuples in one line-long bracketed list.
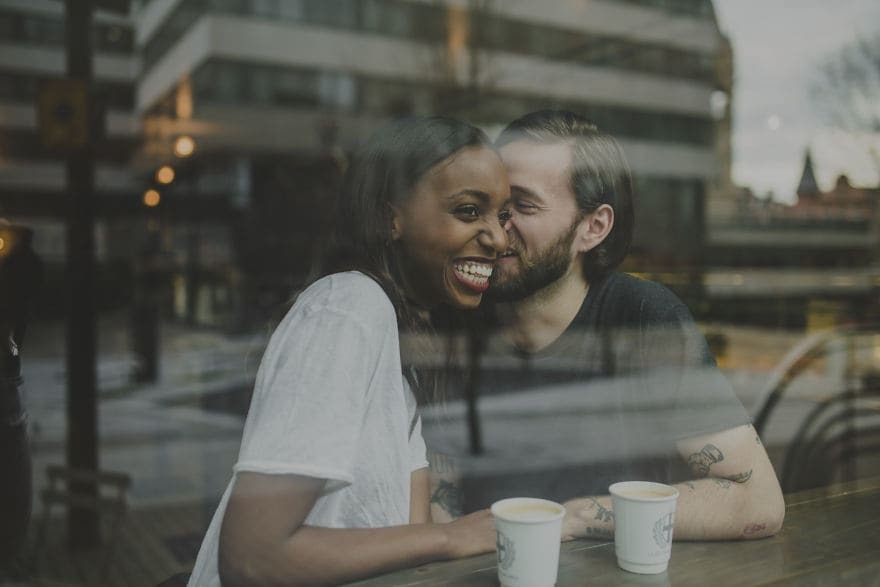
[(179, 437)]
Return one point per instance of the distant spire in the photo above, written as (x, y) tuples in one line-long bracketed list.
[(808, 186)]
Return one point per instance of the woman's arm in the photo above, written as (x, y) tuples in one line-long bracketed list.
[(420, 497), (263, 541)]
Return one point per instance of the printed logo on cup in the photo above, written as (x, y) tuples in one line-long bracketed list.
[(663, 530), (506, 551)]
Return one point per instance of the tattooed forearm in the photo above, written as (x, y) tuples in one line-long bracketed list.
[(739, 477), (449, 497), (603, 514), (752, 529), (700, 462), (690, 485), (723, 483)]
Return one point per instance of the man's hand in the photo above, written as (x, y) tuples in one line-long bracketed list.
[(588, 517)]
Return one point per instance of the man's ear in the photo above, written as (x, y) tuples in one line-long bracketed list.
[(594, 228)]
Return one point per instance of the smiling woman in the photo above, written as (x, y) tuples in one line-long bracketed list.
[(450, 230), (331, 483)]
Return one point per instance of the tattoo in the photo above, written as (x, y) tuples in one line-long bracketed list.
[(752, 529), (740, 477), (700, 462), (723, 483), (691, 485), (603, 514), (449, 497), (441, 463), (599, 532)]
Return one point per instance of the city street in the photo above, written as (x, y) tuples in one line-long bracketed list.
[(179, 437)]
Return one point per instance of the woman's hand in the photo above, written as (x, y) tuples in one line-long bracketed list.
[(470, 535)]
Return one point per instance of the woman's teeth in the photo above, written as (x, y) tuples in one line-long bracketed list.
[(475, 269), (475, 274)]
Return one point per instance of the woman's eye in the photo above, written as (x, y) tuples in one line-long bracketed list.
[(468, 211), (504, 216)]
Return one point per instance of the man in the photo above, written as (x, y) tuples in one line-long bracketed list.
[(651, 382)]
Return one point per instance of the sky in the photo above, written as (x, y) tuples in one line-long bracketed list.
[(778, 46)]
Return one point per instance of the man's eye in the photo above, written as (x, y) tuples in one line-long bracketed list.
[(525, 207), (469, 211)]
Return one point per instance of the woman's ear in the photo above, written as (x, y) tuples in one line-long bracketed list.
[(395, 223), (594, 228)]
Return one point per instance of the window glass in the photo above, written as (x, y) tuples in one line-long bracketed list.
[(221, 134)]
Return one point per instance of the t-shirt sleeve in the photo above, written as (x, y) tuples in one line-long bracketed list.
[(312, 391), (418, 452), (698, 397)]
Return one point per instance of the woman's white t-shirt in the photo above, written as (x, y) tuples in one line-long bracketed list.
[(331, 402)]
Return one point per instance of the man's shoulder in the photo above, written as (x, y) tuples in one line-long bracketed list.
[(628, 298), (627, 289)]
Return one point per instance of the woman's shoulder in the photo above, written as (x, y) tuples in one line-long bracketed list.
[(347, 292)]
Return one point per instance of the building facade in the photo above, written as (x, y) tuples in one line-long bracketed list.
[(276, 93), (32, 172)]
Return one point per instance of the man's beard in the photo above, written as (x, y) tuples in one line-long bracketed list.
[(535, 273)]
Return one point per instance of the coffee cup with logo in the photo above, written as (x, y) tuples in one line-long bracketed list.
[(644, 517), (528, 535)]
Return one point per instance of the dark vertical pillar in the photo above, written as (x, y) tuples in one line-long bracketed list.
[(82, 422)]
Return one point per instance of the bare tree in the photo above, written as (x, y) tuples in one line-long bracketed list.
[(846, 90), (847, 86)]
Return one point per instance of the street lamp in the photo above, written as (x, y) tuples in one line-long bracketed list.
[(152, 198), (184, 146), (165, 174)]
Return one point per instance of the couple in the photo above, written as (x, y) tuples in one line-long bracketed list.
[(332, 482)]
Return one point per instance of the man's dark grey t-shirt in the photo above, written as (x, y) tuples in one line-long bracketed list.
[(605, 402)]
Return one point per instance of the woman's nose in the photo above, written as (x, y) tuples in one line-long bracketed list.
[(495, 236)]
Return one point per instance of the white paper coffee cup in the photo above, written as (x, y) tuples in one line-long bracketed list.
[(644, 516), (529, 532)]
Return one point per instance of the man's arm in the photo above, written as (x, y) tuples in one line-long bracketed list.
[(734, 495)]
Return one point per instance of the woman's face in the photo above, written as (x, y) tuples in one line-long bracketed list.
[(450, 229)]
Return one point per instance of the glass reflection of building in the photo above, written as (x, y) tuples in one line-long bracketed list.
[(32, 176), (276, 92), (273, 91)]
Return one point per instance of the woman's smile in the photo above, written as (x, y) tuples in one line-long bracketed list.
[(474, 274)]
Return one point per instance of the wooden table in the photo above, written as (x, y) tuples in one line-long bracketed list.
[(830, 537)]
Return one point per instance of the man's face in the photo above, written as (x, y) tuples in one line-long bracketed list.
[(544, 223)]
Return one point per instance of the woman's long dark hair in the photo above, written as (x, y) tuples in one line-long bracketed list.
[(383, 173)]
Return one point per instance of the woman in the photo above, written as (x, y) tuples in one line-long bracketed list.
[(331, 482)]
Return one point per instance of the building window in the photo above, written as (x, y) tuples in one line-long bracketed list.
[(337, 90)]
